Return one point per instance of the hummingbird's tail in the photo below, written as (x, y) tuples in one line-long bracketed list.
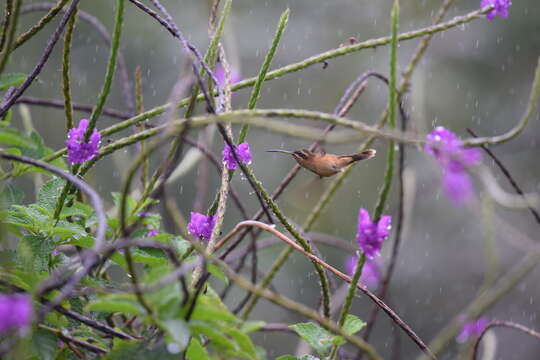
[(364, 155)]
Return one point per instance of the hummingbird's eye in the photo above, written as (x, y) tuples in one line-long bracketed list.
[(300, 154)]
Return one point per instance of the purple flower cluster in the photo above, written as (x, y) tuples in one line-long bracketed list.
[(371, 274), (371, 234), (500, 8), (447, 148), (151, 233), (15, 312), (201, 225), (80, 151), (471, 330), (243, 152)]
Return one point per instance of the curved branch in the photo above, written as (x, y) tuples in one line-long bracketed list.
[(41, 63), (336, 272), (529, 113), (58, 104), (104, 33), (509, 324), (285, 302), (95, 200)]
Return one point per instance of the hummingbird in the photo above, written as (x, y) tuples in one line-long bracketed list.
[(324, 164)]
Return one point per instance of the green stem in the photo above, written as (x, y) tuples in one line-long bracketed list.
[(40, 24), (485, 300), (8, 12), (350, 295), (14, 19), (325, 289), (392, 107), (66, 87), (111, 67), (264, 70), (529, 113), (286, 303)]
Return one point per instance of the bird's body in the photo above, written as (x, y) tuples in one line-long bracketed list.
[(324, 164)]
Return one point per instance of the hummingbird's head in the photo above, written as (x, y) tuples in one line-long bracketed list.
[(299, 155)]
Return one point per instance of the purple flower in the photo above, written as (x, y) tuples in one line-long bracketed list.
[(471, 330), (220, 75), (370, 272), (243, 153), (15, 312), (78, 150), (447, 148), (370, 235), (201, 225), (152, 233), (144, 214), (500, 8), (55, 252)]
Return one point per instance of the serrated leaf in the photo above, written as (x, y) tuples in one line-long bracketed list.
[(65, 229), (196, 351), (318, 338), (11, 79), (41, 248), (11, 195), (49, 193), (44, 344), (353, 324)]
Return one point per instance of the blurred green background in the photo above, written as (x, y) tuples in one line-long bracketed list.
[(478, 76)]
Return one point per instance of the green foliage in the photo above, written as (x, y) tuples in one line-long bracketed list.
[(318, 338), (353, 324), (123, 349), (196, 351), (123, 303), (290, 357), (12, 79), (44, 344)]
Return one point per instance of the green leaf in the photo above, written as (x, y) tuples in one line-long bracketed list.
[(196, 351), (135, 350), (11, 195), (49, 193), (66, 229), (177, 331), (290, 357), (353, 324), (250, 326), (243, 341), (117, 303), (214, 334), (12, 79), (13, 137), (41, 248), (44, 344), (318, 338), (214, 270)]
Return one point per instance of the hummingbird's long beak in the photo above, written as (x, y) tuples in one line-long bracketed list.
[(280, 151)]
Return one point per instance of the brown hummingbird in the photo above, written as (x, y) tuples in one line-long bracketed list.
[(324, 164)]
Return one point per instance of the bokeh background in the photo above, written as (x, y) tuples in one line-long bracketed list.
[(478, 76)]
